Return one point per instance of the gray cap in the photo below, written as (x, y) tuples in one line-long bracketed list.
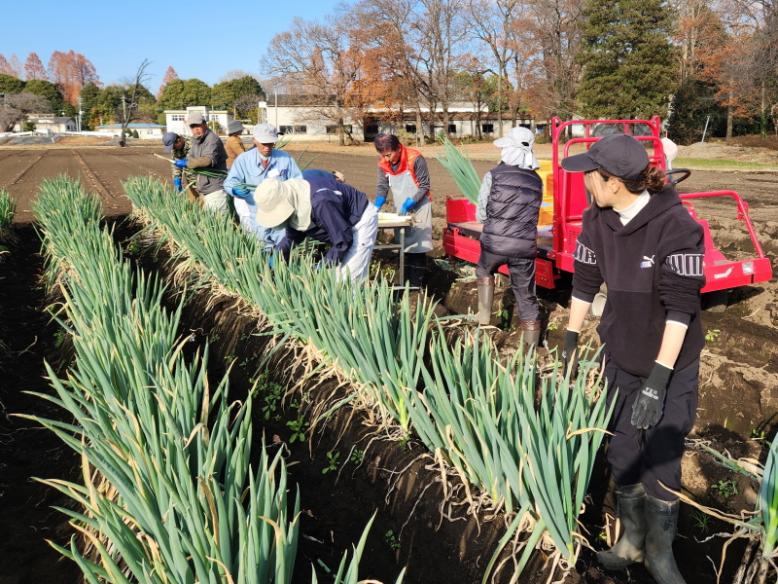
[(265, 134), (234, 126), (169, 139), (195, 118), (619, 155)]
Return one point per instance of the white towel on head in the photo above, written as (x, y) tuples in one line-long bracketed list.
[(516, 148)]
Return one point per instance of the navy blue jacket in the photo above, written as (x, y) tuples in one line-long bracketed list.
[(335, 208), (511, 226)]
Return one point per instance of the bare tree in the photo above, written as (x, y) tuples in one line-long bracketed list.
[(394, 41), (558, 31), (131, 99), (16, 106), (441, 31), (493, 24), (325, 62)]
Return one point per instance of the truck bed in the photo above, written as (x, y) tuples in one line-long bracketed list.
[(474, 229)]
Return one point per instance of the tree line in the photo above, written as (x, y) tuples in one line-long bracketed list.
[(696, 63), (71, 82), (693, 62)]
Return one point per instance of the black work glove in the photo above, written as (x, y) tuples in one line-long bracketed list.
[(648, 407), (570, 353)]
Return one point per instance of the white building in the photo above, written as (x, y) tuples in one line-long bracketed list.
[(175, 120), (146, 131), (297, 117), (51, 124)]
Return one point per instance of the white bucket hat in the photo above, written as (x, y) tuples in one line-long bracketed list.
[(279, 200), (516, 148), (265, 134)]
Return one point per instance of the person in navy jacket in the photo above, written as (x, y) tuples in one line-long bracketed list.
[(643, 244), (320, 207)]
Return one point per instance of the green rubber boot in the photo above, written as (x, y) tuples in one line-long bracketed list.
[(485, 299), (661, 527), (630, 502)]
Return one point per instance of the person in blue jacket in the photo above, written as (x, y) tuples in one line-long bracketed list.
[(321, 207), (251, 168)]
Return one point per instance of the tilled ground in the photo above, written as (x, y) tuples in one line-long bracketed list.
[(739, 375)]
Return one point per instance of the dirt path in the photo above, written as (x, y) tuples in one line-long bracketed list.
[(27, 518)]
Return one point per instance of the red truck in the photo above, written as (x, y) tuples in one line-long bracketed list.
[(566, 192)]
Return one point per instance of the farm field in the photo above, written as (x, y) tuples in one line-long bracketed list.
[(738, 393)]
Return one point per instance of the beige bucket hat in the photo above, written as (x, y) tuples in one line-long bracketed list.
[(278, 201)]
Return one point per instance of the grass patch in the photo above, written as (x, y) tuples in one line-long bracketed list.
[(721, 164)]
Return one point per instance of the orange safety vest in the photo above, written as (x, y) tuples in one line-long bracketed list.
[(408, 157)]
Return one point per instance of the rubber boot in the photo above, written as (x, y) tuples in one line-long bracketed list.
[(630, 503), (661, 527), (485, 299), (530, 334), (415, 269)]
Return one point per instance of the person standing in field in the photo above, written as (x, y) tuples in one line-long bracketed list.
[(508, 206), (404, 170), (179, 146), (320, 207), (251, 168), (639, 240), (234, 145), (207, 152)]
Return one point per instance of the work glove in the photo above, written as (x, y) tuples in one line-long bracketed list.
[(178, 184), (570, 353), (648, 407), (408, 204), (240, 192), (379, 202), (180, 163)]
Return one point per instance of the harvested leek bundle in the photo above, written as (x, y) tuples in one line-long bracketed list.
[(461, 170)]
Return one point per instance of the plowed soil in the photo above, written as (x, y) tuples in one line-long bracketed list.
[(739, 377)]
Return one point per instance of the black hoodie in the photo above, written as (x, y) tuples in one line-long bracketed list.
[(653, 267)]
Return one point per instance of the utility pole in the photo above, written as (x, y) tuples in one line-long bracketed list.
[(122, 140), (80, 112)]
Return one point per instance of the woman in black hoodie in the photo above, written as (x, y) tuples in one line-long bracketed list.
[(639, 240)]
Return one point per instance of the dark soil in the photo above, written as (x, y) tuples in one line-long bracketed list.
[(387, 478), (27, 337)]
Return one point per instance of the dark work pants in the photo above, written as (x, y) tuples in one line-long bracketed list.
[(522, 280), (654, 455), (415, 268)]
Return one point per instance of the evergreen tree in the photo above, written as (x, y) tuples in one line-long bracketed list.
[(10, 84), (179, 93), (48, 91), (627, 58), (240, 96), (89, 96)]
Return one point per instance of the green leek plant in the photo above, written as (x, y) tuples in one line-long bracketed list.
[(479, 415), (169, 494), (374, 342), (458, 165), (768, 504), (7, 210)]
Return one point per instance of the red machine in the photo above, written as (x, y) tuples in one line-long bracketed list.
[(556, 243)]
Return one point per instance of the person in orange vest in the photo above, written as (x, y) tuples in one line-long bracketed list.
[(405, 172)]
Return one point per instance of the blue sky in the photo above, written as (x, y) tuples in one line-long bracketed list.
[(199, 39)]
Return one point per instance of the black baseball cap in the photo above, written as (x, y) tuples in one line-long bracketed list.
[(619, 155)]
